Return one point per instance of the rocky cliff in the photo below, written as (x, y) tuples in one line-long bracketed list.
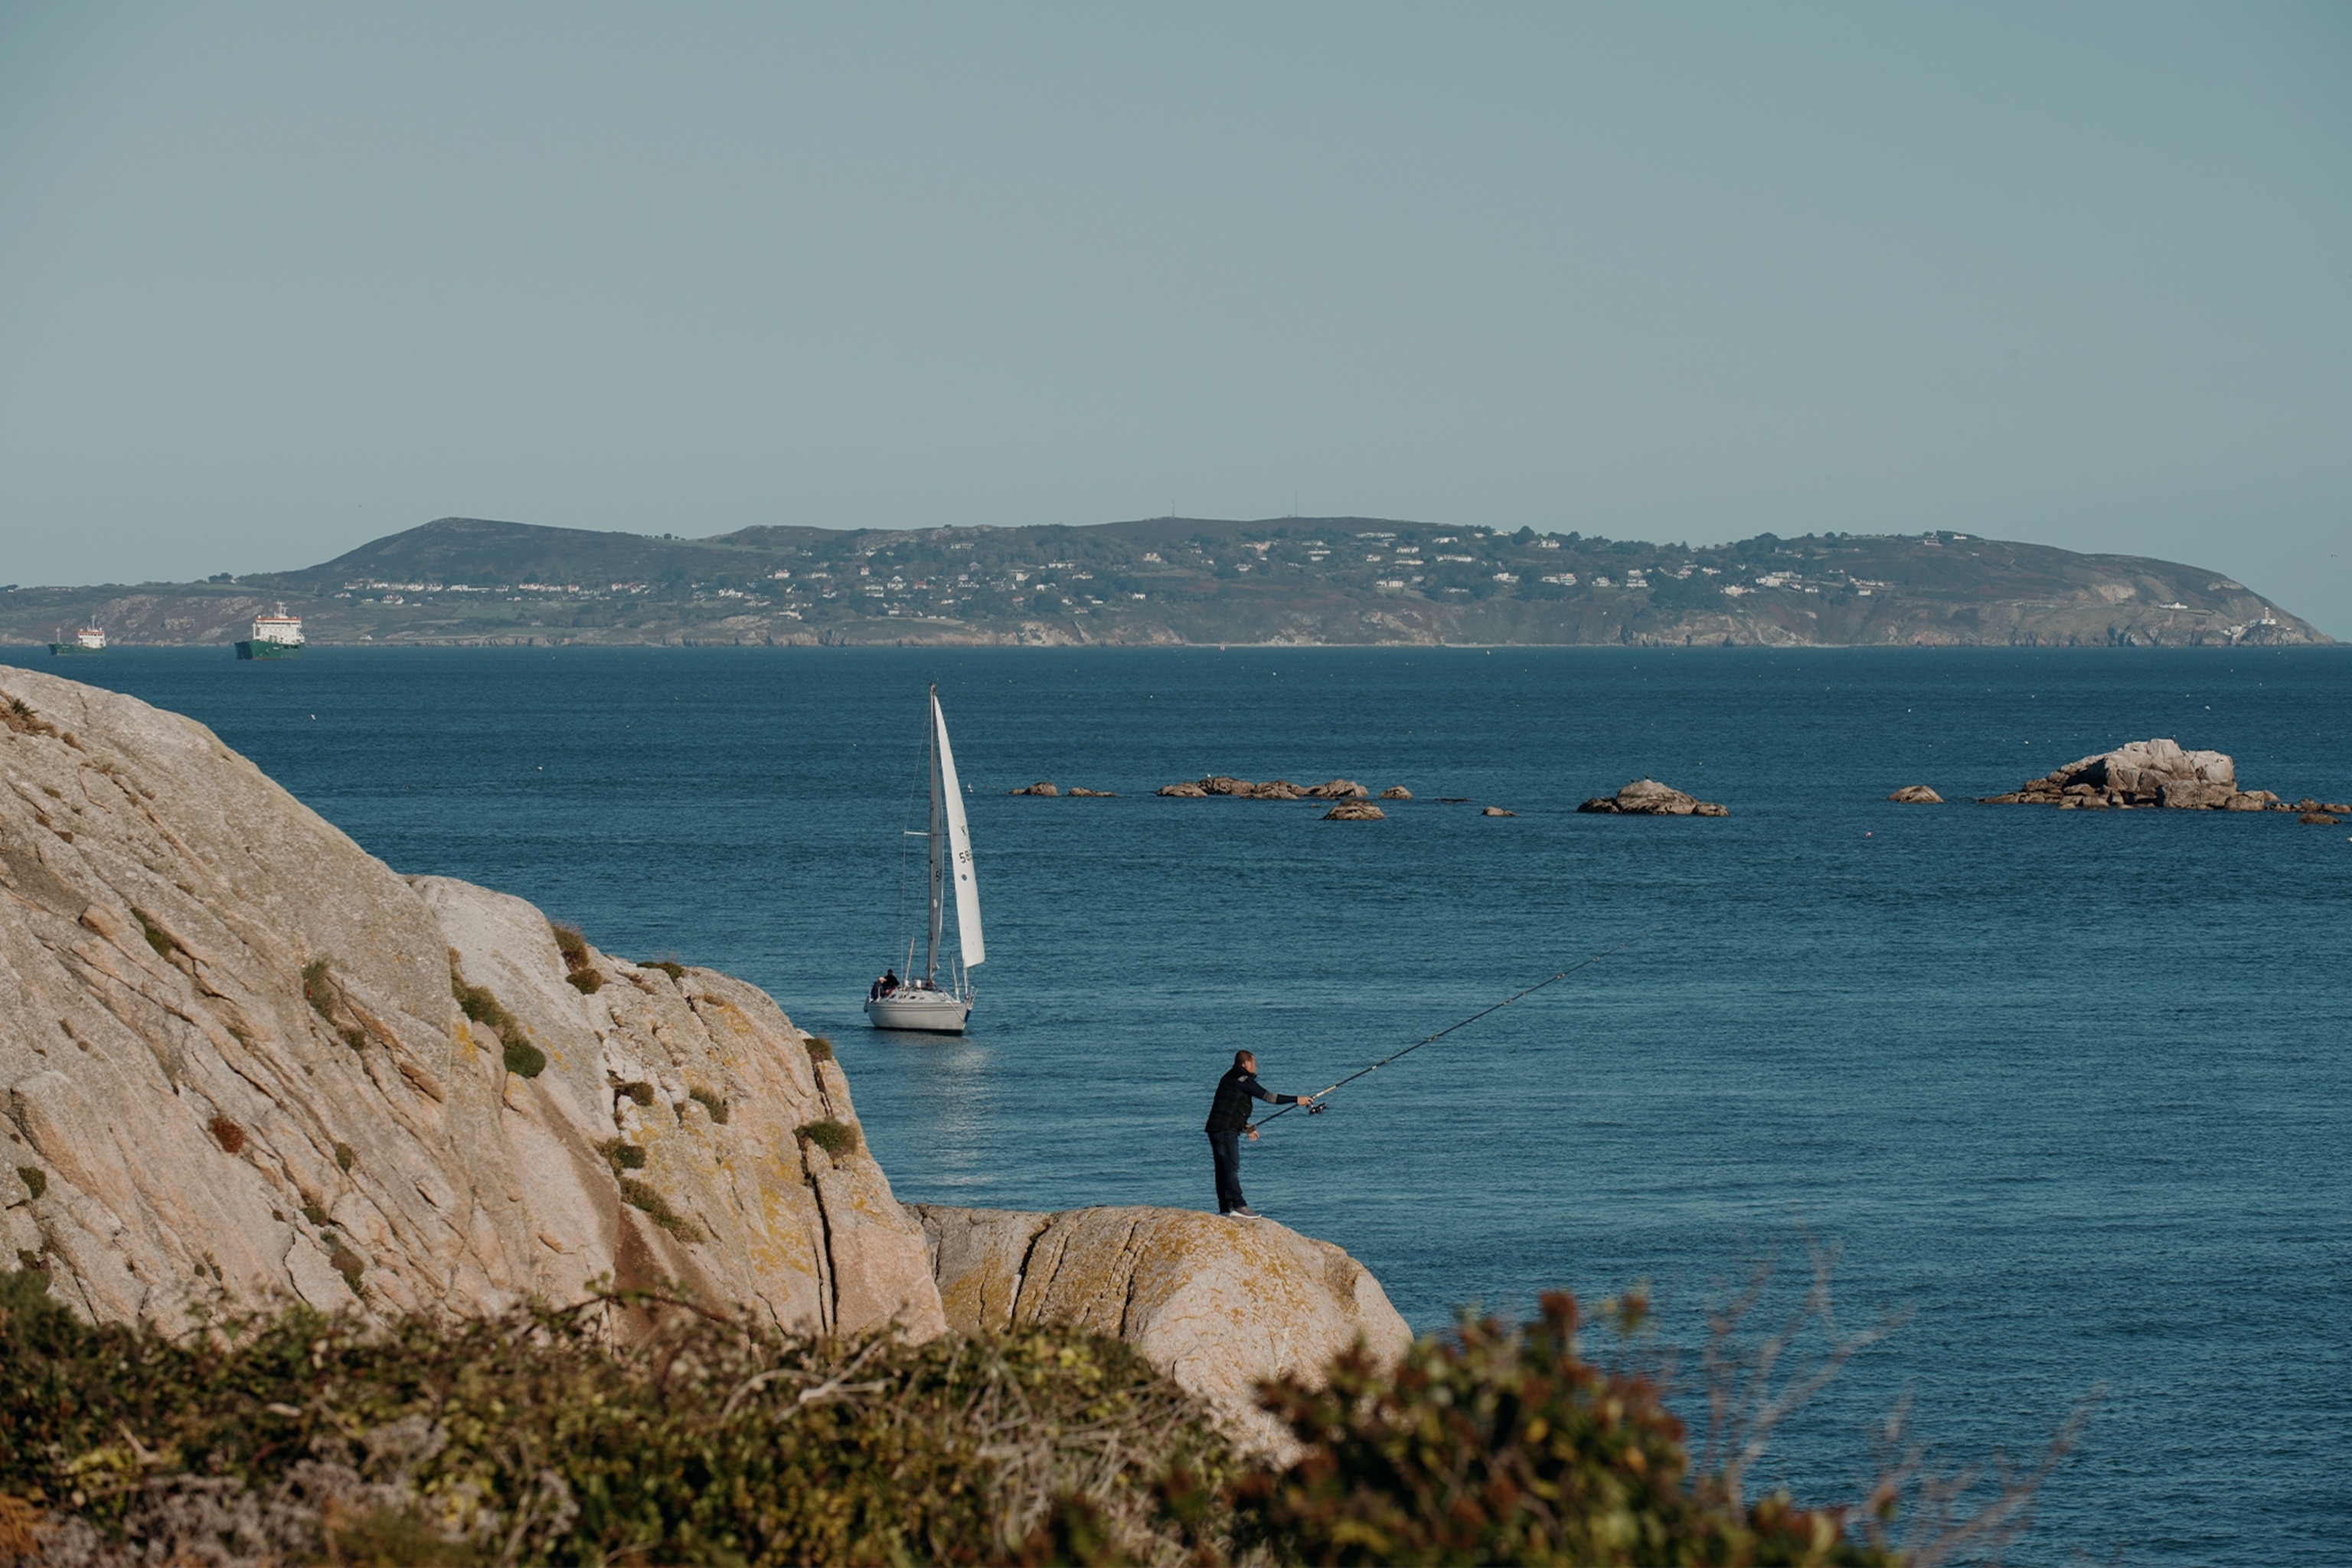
[(235, 1070)]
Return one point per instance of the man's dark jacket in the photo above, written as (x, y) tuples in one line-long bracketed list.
[(1229, 1111)]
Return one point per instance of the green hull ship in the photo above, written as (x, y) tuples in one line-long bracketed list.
[(86, 639), (62, 648), (274, 637)]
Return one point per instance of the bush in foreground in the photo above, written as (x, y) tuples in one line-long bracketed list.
[(541, 1437)]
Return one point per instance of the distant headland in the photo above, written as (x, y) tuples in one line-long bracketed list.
[(1188, 581)]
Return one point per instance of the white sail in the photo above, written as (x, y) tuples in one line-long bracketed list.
[(967, 892)]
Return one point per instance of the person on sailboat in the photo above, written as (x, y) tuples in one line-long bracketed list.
[(1229, 1115), (885, 986)]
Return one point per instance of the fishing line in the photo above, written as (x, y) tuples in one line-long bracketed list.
[(1315, 1109)]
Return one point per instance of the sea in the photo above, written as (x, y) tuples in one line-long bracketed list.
[(2065, 1096)]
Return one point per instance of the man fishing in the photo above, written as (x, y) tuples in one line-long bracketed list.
[(1229, 1116)]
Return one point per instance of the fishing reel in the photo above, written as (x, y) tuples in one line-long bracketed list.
[(1316, 1108)]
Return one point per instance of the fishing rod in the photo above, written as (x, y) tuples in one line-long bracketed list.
[(1315, 1106)]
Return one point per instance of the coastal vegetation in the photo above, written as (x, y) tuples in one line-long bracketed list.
[(833, 1137), (549, 1435)]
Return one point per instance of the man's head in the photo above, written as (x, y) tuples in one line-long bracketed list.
[(1244, 1061)]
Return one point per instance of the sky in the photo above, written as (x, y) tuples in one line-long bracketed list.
[(278, 279)]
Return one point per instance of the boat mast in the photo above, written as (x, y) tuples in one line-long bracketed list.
[(939, 843)]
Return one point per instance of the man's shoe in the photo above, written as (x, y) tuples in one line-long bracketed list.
[(1244, 1212)]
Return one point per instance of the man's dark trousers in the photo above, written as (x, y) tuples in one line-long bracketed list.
[(1226, 1148)]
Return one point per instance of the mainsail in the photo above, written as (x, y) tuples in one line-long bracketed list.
[(959, 844)]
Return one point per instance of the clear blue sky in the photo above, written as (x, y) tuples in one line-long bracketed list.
[(277, 279)]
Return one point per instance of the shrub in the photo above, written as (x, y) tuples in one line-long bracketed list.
[(163, 946), (37, 1180), (345, 1158), (355, 1039), (572, 945), (317, 989), (622, 1155), (228, 1134), (669, 966), (538, 1436), (479, 1005), (528, 1438), (833, 1137), (347, 1263), (582, 973), (643, 1093), (24, 720), (524, 1059), (315, 1215), (710, 1100), (1504, 1446), (642, 1196), (820, 1050)]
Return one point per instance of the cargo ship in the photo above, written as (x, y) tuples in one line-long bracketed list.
[(274, 637), (86, 639)]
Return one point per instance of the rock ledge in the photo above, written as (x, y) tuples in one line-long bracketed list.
[(1216, 1303)]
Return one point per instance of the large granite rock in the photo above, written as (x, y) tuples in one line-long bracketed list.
[(2156, 773), (1916, 795), (1648, 797), (231, 1061), (1216, 1303)]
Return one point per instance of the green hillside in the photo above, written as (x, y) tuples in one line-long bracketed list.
[(1184, 580)]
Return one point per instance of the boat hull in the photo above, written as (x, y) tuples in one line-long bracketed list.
[(927, 1012), (251, 649), (70, 649)]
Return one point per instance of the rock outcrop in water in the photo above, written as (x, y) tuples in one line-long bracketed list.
[(232, 1071), (1648, 797), (1916, 795), (2144, 774), (1355, 811), (1044, 787), (1272, 789), (1216, 1303)]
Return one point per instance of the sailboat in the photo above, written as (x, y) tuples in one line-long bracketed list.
[(923, 1003)]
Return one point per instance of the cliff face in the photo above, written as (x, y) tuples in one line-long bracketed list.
[(232, 1071)]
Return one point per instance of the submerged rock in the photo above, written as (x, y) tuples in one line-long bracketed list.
[(1336, 789), (2156, 773), (1355, 811), (1648, 797), (1498, 811), (233, 1058), (1216, 1303), (1916, 795), (1396, 792), (1079, 792)]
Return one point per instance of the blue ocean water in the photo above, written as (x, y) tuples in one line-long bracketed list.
[(2071, 1089)]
